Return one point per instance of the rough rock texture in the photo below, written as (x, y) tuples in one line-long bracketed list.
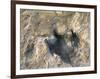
[(36, 26)]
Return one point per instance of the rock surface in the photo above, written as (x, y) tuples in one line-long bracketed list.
[(36, 26)]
